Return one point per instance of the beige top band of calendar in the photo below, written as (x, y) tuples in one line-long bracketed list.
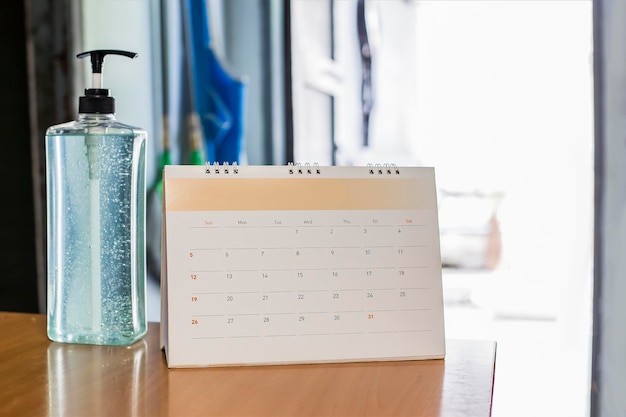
[(197, 194)]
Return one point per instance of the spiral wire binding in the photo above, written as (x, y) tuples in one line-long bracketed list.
[(299, 169), (226, 168), (382, 169)]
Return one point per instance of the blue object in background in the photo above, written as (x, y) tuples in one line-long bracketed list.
[(219, 96)]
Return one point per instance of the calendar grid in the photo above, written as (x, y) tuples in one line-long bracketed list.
[(348, 269)]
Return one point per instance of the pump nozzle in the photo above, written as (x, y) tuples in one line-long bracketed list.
[(96, 98), (97, 60)]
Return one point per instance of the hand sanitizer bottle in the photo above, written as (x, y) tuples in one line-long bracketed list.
[(95, 184)]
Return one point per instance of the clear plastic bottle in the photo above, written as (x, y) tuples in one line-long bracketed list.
[(95, 171)]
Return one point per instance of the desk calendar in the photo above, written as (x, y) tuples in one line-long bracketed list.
[(300, 264)]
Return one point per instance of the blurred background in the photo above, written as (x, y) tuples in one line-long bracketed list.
[(496, 95)]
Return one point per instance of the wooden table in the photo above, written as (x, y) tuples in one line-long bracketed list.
[(42, 378)]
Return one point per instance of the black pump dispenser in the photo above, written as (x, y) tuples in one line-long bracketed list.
[(96, 98)]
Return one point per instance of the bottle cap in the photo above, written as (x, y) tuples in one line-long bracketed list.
[(96, 98)]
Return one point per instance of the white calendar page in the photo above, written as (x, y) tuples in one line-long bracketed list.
[(272, 265)]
